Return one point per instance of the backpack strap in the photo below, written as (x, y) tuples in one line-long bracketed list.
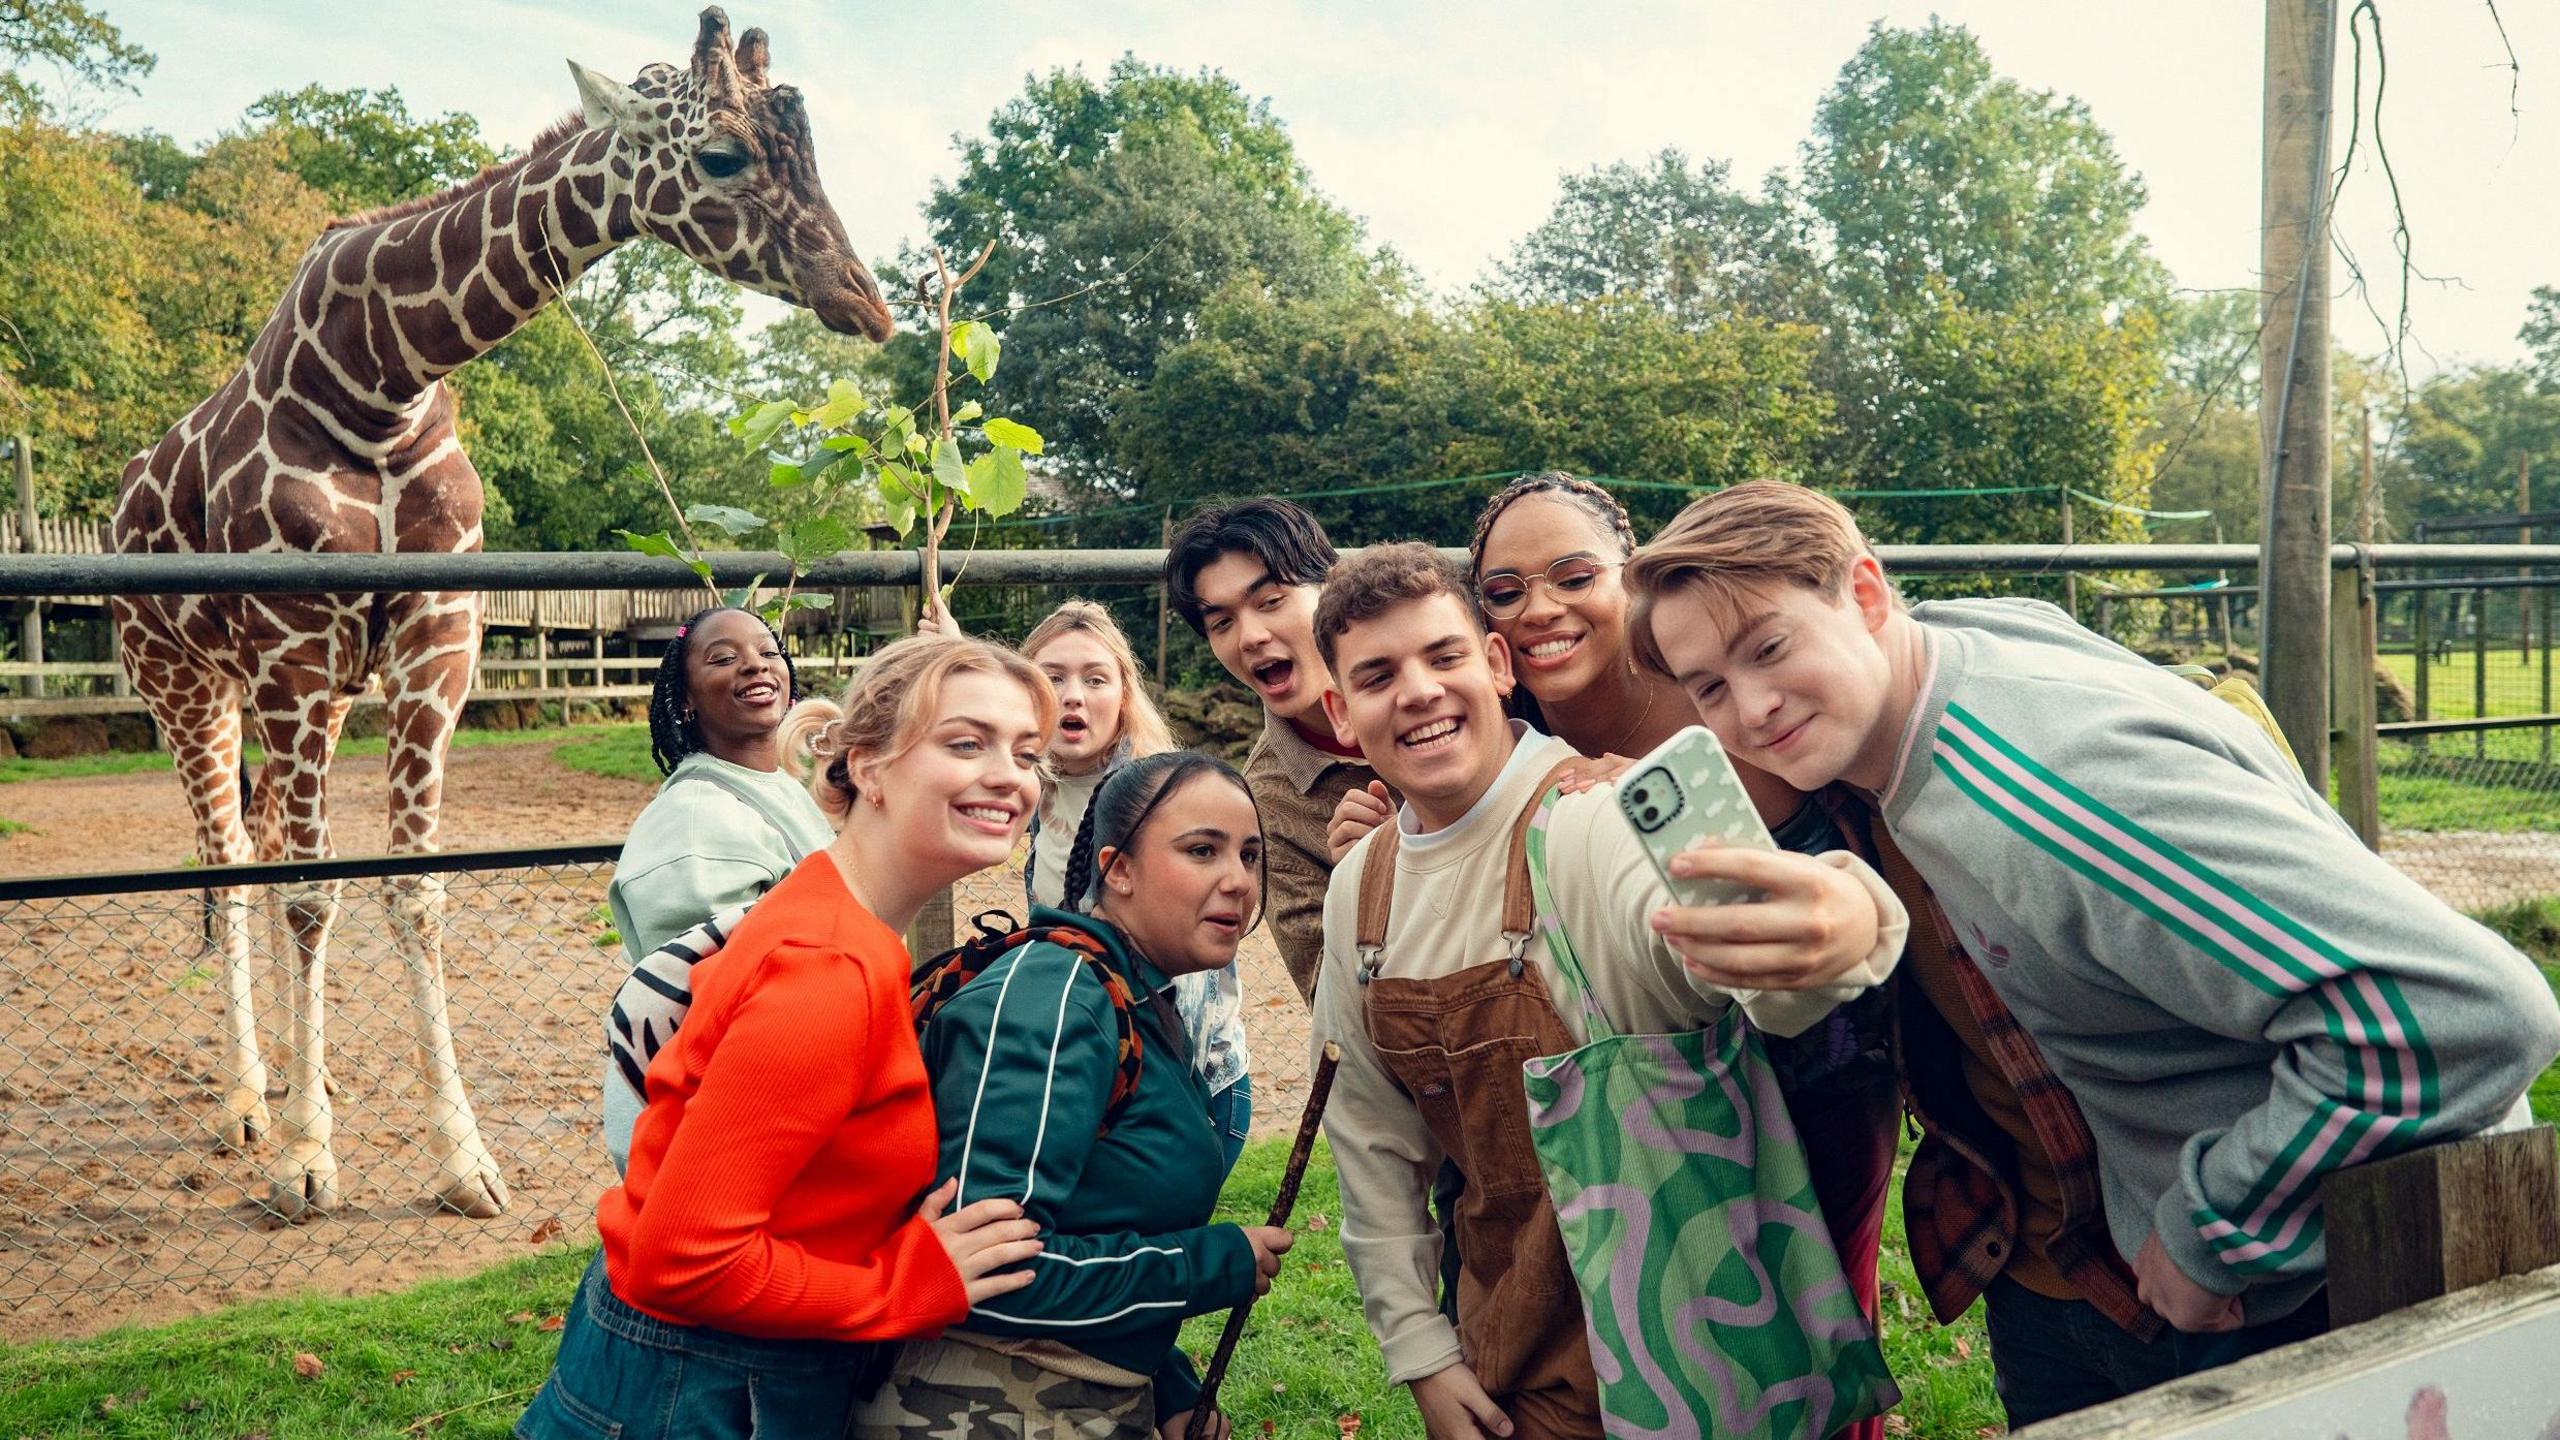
[(1519, 903), (945, 975)]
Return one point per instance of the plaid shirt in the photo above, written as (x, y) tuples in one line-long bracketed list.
[(1958, 1208)]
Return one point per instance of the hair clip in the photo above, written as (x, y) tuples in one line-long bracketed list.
[(681, 629)]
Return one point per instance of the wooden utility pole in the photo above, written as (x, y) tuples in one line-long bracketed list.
[(2293, 363), (31, 616), (2368, 502)]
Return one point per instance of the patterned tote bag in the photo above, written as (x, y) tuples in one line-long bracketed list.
[(1715, 1300)]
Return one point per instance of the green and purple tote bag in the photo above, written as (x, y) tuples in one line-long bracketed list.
[(1715, 1300)]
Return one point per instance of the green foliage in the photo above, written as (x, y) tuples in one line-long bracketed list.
[(1678, 237), (72, 37), (364, 149), (1925, 164), (1126, 204)]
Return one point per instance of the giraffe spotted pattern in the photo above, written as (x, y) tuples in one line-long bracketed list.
[(338, 436)]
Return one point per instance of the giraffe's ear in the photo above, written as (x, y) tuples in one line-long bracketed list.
[(607, 103)]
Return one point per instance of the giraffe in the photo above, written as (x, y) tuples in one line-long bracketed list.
[(338, 435)]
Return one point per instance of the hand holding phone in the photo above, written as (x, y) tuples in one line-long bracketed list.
[(1682, 796)]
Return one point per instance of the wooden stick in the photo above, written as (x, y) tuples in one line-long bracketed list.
[(1280, 1208)]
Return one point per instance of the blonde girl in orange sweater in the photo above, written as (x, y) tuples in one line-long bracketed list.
[(774, 1226)]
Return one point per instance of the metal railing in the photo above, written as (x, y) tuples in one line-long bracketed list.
[(111, 1011)]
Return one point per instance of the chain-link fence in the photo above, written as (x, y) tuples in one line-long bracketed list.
[(2468, 748), (115, 1196)]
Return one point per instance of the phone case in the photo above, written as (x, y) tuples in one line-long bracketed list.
[(1686, 792)]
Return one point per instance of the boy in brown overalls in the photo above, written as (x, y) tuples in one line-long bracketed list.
[(1436, 997)]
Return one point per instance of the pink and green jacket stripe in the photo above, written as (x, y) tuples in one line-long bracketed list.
[(1713, 1296), (2241, 997)]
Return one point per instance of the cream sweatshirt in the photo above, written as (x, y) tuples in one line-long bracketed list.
[(1447, 917)]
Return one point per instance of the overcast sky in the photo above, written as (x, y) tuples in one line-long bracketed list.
[(1445, 126)]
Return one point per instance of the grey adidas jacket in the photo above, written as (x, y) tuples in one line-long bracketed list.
[(2239, 994)]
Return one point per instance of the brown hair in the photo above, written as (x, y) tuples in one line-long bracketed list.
[(1757, 534), (887, 707), (1142, 726), (1383, 577)]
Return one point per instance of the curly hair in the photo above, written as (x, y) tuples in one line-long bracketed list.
[(1573, 490), (673, 732)]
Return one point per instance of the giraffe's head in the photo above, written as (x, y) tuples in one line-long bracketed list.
[(720, 166)]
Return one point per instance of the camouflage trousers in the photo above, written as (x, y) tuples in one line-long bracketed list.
[(952, 1390)]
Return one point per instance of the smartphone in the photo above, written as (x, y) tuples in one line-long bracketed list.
[(1685, 793)]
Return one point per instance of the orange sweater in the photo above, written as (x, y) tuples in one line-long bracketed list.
[(788, 1135)]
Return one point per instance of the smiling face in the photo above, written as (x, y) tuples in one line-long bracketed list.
[(735, 682), (1790, 678), (1091, 692), (1264, 632), (1562, 567), (721, 165), (1190, 881), (1421, 696), (961, 795)]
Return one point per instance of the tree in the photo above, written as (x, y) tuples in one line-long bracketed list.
[(1676, 236), (76, 40), (1924, 163), (364, 149), (1119, 208)]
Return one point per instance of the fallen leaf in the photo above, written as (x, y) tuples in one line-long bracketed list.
[(1964, 1348), (308, 1365), (1349, 1425), (555, 1322), (521, 1317), (1896, 1425), (1277, 1388), (1268, 1427), (194, 1404), (403, 1377), (1318, 1224), (546, 1232)]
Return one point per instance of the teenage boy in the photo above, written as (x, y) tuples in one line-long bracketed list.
[(2238, 994), (1244, 578), (1437, 1012)]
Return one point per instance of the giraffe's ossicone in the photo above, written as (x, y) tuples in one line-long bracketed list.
[(337, 435)]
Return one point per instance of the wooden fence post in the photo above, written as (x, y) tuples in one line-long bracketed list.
[(2353, 741), (2437, 1220), (31, 615)]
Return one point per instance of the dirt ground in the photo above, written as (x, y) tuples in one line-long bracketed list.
[(116, 1207)]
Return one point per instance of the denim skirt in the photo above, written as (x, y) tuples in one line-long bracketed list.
[(624, 1375)]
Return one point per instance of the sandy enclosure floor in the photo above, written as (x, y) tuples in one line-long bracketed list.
[(117, 1207)]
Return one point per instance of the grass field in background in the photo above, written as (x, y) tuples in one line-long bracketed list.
[(142, 762)]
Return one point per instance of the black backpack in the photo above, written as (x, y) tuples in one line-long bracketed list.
[(942, 977)]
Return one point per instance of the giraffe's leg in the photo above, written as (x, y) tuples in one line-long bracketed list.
[(302, 1180), (433, 653), (198, 712)]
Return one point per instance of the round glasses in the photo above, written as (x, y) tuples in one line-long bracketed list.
[(1504, 592)]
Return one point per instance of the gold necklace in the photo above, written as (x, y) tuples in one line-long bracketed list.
[(1650, 695)]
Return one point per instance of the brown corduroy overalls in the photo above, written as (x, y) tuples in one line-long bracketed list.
[(1455, 1045)]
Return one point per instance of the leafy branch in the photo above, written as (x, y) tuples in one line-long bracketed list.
[(908, 465)]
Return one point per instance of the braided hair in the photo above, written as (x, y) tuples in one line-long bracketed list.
[(1119, 810), (1594, 501), (673, 731)]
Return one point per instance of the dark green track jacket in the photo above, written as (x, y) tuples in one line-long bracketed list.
[(1022, 1060)]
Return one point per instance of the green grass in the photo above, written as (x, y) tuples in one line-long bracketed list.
[(613, 738), (2430, 797), (619, 752), (2533, 926), (9, 827), (459, 1358), (2515, 683)]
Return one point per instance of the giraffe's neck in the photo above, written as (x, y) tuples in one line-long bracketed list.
[(398, 303)]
